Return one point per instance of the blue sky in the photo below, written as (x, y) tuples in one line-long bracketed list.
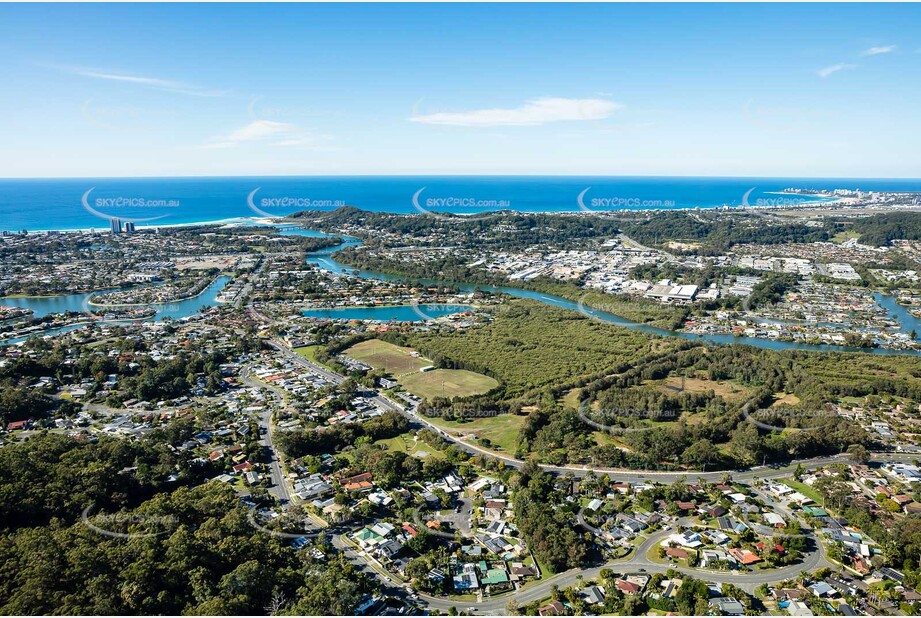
[(722, 90)]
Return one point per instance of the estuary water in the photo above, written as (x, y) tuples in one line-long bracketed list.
[(45, 305), (323, 259)]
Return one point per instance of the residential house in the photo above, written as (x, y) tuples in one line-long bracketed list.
[(822, 590), (745, 556), (554, 608), (495, 577), (467, 578), (727, 606), (519, 572), (799, 608), (628, 587), (688, 538), (592, 595), (676, 553)]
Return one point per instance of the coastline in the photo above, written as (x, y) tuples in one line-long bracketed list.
[(818, 203), (219, 200), (238, 221)]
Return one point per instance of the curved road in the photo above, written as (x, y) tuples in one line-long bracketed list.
[(622, 474), (637, 562)]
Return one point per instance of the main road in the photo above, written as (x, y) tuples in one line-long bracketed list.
[(279, 488), (620, 474), (637, 562)]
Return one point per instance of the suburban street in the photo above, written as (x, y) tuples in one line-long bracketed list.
[(636, 562), (280, 485)]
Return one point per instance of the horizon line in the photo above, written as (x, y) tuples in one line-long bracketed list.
[(430, 175)]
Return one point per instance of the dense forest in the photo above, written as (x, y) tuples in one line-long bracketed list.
[(880, 230), (812, 429), (52, 476), (550, 531), (504, 230), (543, 357), (718, 231), (714, 231), (312, 441), (194, 550), (530, 346), (204, 559)]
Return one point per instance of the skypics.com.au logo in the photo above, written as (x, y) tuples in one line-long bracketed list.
[(114, 117), (788, 419), (622, 421), (105, 208), (129, 525), (432, 205), (782, 201), (599, 312), (450, 413), (283, 525), (289, 202), (433, 311), (606, 204)]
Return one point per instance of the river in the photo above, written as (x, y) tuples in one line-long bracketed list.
[(78, 303), (323, 259)]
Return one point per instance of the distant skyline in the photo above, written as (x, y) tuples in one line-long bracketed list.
[(763, 90)]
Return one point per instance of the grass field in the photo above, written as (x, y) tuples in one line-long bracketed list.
[(603, 438), (804, 489), (405, 367), (310, 353), (501, 431), (840, 237), (391, 358), (727, 390), (573, 398), (788, 399), (406, 444), (448, 383)]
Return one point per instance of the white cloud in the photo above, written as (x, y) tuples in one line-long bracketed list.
[(149, 82), (258, 130), (302, 140), (268, 131), (875, 51), (841, 66), (533, 112)]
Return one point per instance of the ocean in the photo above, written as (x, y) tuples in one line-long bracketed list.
[(69, 204)]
